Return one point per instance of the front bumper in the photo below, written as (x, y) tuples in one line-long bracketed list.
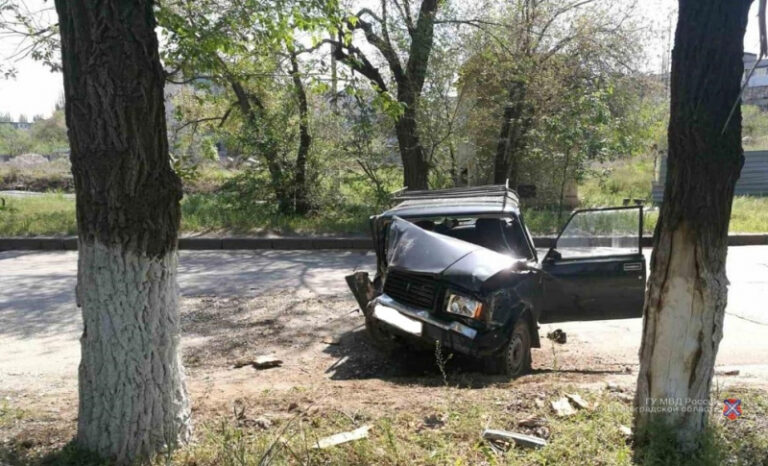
[(418, 324)]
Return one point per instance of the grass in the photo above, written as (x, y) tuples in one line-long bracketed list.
[(452, 436), (207, 212), (203, 213), (50, 214), (53, 214)]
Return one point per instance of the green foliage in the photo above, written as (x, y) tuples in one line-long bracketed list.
[(754, 128), (44, 137), (51, 214)]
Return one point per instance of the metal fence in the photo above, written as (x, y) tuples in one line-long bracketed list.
[(752, 182)]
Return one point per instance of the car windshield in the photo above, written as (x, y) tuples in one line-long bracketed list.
[(501, 234)]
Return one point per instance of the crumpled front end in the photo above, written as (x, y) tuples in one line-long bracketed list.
[(425, 272)]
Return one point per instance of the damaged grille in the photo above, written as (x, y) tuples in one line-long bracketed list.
[(414, 290)]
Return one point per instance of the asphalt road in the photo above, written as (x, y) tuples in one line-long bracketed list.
[(40, 325)]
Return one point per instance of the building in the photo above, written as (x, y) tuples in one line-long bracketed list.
[(753, 180), (756, 92), (17, 124)]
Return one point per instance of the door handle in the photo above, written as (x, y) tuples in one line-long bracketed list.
[(633, 266)]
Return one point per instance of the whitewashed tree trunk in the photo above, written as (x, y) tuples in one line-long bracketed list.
[(687, 289), (682, 329), (133, 399), (133, 402)]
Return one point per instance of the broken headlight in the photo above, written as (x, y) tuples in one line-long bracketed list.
[(464, 306)]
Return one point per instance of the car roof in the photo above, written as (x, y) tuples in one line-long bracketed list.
[(476, 200)]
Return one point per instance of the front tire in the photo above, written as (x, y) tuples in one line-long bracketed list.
[(514, 359)]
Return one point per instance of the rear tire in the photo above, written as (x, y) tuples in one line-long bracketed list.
[(514, 359)]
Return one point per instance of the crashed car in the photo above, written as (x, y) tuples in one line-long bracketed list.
[(459, 268)]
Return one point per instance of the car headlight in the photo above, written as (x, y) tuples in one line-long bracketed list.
[(464, 306)]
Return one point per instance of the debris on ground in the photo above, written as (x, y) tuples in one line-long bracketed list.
[(558, 336), (613, 387), (524, 440), (533, 420), (343, 437), (563, 408), (539, 402), (332, 340), (577, 400), (626, 431), (542, 431), (728, 373), (433, 421), (261, 362)]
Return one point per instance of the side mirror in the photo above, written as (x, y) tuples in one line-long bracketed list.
[(553, 255)]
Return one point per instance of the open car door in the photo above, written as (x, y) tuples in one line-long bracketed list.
[(596, 270)]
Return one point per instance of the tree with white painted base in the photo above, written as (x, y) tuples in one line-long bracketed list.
[(133, 400), (687, 290)]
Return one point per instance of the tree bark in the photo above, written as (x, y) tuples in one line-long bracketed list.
[(687, 290), (415, 166), (300, 193), (133, 400), (516, 122)]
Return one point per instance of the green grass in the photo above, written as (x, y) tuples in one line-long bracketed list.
[(51, 214), (402, 437), (10, 415), (589, 437), (203, 213), (348, 211)]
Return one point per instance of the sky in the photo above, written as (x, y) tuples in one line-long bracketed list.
[(36, 89)]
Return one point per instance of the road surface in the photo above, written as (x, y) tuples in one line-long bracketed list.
[(40, 325)]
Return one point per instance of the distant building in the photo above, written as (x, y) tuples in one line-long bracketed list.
[(753, 180), (756, 92), (17, 124)]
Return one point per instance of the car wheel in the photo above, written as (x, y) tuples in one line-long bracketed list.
[(515, 358), (382, 340)]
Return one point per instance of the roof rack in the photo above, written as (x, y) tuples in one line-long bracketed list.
[(496, 190)]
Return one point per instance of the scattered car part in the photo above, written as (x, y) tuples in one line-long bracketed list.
[(577, 400), (261, 362), (343, 437), (558, 336), (518, 438), (563, 408)]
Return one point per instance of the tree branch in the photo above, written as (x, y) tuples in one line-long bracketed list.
[(356, 59), (383, 45)]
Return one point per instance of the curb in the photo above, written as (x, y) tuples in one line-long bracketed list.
[(358, 243)]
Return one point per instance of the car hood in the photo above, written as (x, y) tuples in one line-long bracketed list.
[(464, 264)]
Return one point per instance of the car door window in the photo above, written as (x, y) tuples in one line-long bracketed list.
[(601, 233)]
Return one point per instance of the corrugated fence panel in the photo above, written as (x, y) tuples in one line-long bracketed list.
[(752, 182)]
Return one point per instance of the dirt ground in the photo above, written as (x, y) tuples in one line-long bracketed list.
[(328, 366)]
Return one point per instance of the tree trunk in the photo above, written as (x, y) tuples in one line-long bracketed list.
[(300, 193), (259, 135), (133, 400), (415, 166), (687, 290), (516, 123)]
